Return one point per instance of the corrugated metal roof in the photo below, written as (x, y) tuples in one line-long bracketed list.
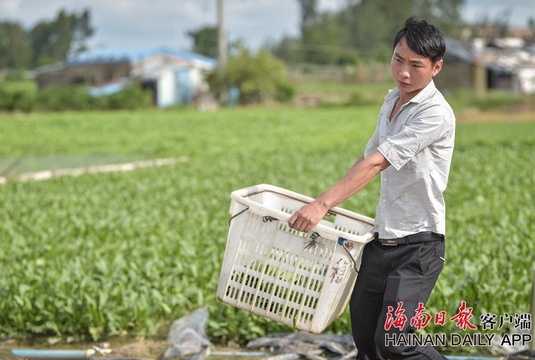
[(50, 68), (508, 60), (134, 55), (460, 50)]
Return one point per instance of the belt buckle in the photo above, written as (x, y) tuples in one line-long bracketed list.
[(389, 242)]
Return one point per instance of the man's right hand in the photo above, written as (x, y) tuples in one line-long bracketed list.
[(308, 216)]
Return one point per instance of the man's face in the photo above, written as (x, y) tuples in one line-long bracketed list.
[(411, 71)]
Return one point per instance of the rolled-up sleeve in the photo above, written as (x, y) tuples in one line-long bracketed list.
[(372, 144)]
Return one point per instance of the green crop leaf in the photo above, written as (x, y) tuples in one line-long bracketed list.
[(128, 252)]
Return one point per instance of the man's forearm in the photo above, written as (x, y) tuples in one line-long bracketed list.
[(358, 176)]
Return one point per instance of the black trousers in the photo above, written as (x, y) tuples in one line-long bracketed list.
[(389, 275)]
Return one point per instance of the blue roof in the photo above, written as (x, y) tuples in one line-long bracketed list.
[(134, 55)]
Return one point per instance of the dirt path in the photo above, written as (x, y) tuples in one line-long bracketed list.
[(121, 167), (469, 116)]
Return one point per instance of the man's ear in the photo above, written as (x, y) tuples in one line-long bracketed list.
[(437, 67)]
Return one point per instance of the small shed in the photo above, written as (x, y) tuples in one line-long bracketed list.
[(174, 76), (477, 67), (176, 85), (460, 71)]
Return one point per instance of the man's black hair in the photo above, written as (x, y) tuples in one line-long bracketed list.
[(422, 38)]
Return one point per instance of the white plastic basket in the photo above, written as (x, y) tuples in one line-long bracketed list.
[(303, 280)]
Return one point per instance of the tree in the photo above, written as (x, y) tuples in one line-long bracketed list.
[(14, 46), (447, 17), (52, 41), (490, 29), (258, 77), (363, 29), (325, 46), (205, 41), (288, 48), (502, 22), (309, 11), (531, 26), (81, 31)]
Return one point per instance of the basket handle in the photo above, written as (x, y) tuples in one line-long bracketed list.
[(242, 196), (265, 218), (237, 214), (311, 235)]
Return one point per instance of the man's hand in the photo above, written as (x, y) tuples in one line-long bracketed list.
[(308, 216)]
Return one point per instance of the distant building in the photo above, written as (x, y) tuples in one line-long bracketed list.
[(175, 77), (504, 64)]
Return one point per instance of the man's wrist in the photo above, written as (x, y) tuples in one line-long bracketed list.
[(324, 202)]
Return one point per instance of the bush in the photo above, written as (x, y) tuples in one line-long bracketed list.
[(131, 97), (61, 98), (258, 78), (17, 96), (23, 96), (285, 93), (16, 100)]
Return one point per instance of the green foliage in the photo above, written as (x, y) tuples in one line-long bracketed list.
[(259, 77), (62, 98), (361, 98), (309, 11), (205, 41), (104, 254), (23, 96), (48, 42), (14, 46), (361, 29), (17, 76), (17, 96), (131, 97), (285, 93), (493, 100), (51, 41)]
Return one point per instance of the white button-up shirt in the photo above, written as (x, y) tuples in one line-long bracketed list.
[(418, 143)]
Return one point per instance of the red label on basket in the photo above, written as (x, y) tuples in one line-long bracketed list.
[(339, 270)]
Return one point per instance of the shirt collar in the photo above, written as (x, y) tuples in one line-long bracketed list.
[(422, 95)]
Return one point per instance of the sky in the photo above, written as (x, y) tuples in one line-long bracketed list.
[(150, 23)]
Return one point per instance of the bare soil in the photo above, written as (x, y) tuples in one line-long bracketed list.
[(474, 115), (124, 348), (121, 348)]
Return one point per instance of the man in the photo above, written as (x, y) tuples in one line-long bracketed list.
[(412, 149)]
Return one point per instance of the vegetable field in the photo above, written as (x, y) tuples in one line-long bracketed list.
[(98, 255)]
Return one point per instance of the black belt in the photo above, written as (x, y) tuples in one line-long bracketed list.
[(418, 238)]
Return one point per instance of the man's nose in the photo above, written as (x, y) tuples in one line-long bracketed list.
[(404, 71)]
